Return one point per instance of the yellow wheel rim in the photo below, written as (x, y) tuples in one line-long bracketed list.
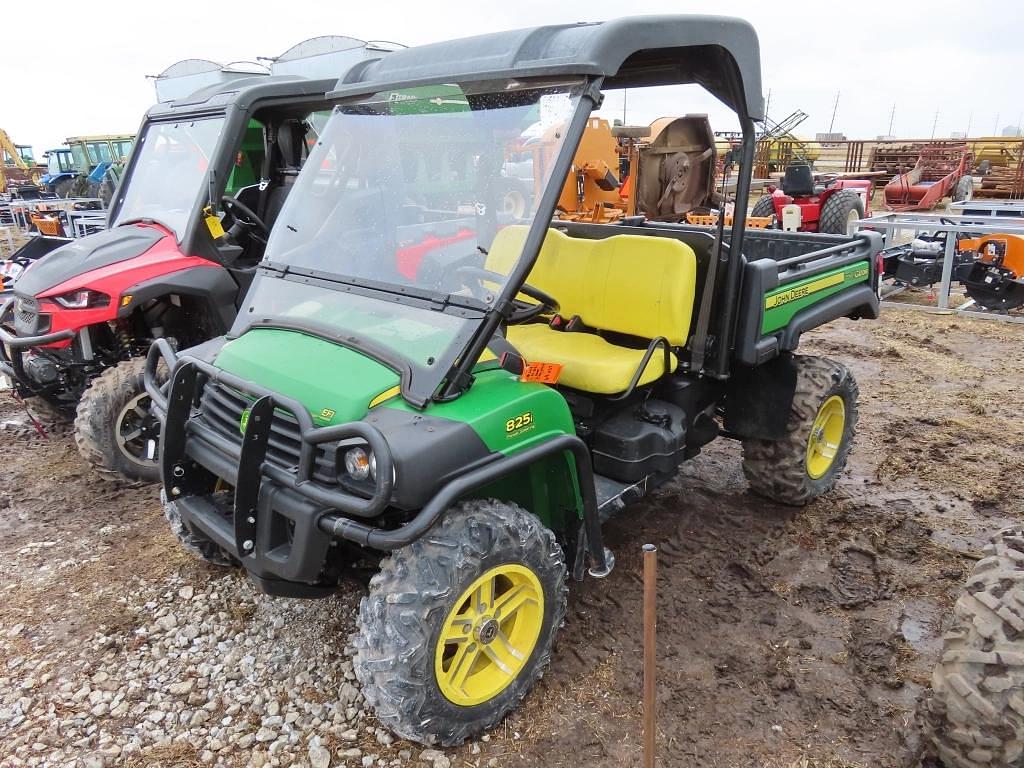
[(826, 436), (489, 635)]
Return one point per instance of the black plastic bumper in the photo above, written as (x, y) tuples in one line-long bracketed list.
[(269, 498), (272, 525)]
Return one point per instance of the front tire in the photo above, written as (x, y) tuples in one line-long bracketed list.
[(975, 715), (459, 625), (195, 544), (113, 427), (808, 460), (839, 213)]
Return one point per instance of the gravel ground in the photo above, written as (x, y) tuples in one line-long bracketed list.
[(787, 638)]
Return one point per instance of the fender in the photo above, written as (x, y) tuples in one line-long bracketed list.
[(114, 275), (215, 285)]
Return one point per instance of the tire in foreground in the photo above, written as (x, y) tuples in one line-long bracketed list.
[(459, 625), (975, 714)]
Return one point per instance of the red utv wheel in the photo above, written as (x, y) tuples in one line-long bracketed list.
[(114, 430)]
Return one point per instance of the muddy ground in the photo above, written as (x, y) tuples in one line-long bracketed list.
[(786, 637)]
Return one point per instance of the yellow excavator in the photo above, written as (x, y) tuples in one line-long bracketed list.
[(17, 166)]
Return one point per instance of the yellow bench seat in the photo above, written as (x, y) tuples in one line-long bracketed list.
[(589, 363), (638, 286)]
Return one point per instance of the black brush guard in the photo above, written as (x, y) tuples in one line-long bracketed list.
[(11, 365), (263, 488)]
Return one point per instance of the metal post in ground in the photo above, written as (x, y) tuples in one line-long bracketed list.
[(947, 269), (650, 652)]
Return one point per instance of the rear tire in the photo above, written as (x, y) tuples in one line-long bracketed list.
[(105, 192), (975, 715), (765, 206), (514, 198), (839, 212), (408, 624), (964, 189), (808, 460), (112, 409), (63, 188)]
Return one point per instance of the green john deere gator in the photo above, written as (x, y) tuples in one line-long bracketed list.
[(420, 380)]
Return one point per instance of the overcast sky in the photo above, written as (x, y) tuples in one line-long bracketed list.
[(963, 60)]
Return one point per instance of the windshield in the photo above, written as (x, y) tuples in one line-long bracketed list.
[(404, 194), (99, 152), (168, 172), (81, 162)]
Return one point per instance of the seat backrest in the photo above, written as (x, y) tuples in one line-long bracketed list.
[(798, 181), (637, 285)]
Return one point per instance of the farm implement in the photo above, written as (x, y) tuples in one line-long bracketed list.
[(941, 171)]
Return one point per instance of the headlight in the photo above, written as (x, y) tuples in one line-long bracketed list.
[(359, 464), (82, 299)]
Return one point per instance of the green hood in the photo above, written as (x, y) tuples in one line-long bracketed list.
[(335, 383)]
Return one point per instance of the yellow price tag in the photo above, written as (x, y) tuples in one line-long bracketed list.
[(216, 228)]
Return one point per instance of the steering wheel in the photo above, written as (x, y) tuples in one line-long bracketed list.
[(247, 218), (546, 303)]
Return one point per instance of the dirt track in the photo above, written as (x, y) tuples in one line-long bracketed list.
[(787, 637)]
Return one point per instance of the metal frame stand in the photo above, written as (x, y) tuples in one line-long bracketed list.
[(894, 227)]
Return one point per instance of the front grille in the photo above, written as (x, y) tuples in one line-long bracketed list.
[(222, 408), (27, 319)]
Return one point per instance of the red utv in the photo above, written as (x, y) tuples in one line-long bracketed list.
[(188, 225)]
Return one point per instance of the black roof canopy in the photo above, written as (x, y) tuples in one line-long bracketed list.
[(719, 53)]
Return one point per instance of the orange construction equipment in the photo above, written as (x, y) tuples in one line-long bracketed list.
[(663, 171), (996, 279), (48, 223), (16, 164), (592, 191)]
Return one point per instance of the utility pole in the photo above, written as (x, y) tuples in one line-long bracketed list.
[(624, 92), (1019, 118), (935, 123), (892, 117), (970, 117), (767, 103), (835, 108), (995, 131)]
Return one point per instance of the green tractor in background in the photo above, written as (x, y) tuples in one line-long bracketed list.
[(88, 166), (420, 378)]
